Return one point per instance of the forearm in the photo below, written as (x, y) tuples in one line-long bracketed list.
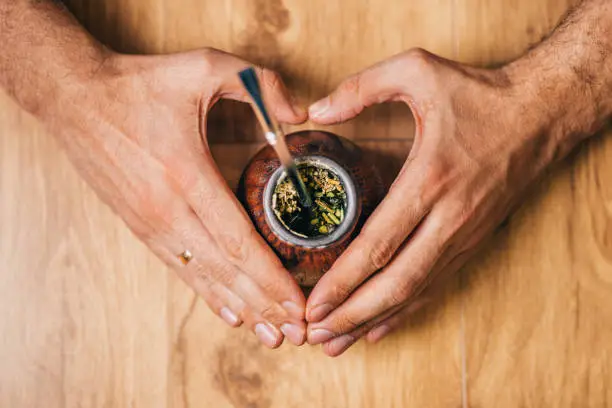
[(567, 79), (43, 52)]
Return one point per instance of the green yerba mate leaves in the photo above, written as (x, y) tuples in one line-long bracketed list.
[(328, 208)]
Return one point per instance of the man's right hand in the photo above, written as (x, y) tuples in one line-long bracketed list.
[(135, 129)]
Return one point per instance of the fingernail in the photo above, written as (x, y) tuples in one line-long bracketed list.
[(317, 313), (298, 110), (294, 310), (317, 336), (266, 335), (378, 333), (339, 345), (229, 317), (294, 333), (319, 108)]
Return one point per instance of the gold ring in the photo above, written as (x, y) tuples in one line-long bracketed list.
[(185, 256)]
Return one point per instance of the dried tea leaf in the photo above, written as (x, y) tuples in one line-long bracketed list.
[(330, 199)]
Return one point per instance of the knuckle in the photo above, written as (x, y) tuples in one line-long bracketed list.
[(272, 286), (352, 84), (419, 57), (411, 283), (401, 291), (203, 62), (202, 274), (270, 78), (353, 111), (233, 247), (341, 290), (224, 273), (189, 182), (381, 253), (272, 313), (196, 271), (346, 322), (424, 65)]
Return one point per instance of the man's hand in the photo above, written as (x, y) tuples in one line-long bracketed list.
[(135, 127), (473, 155), (482, 137), (136, 132)]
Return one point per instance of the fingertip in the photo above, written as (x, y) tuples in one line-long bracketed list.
[(315, 298), (301, 114), (277, 345), (319, 312), (230, 317), (319, 335), (294, 310), (319, 108), (291, 114), (324, 297), (281, 101), (338, 345), (378, 333), (268, 335), (309, 317), (329, 353), (295, 334)]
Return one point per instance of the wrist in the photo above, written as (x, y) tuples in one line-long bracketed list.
[(566, 81), (559, 105), (50, 92)]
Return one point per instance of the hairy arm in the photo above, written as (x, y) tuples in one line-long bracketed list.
[(44, 51), (569, 75)]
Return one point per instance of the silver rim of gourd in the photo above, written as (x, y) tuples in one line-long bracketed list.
[(350, 214)]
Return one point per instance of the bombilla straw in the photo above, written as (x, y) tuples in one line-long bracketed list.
[(274, 134)]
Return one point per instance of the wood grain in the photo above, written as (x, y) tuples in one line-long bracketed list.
[(88, 318)]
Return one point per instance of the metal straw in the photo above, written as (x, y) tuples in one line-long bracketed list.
[(274, 134)]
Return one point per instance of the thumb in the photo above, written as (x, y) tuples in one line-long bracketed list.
[(217, 73), (395, 79), (283, 107), (277, 96)]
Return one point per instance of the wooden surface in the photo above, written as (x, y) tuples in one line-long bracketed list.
[(88, 318)]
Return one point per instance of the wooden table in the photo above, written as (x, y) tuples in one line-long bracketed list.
[(88, 318)]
